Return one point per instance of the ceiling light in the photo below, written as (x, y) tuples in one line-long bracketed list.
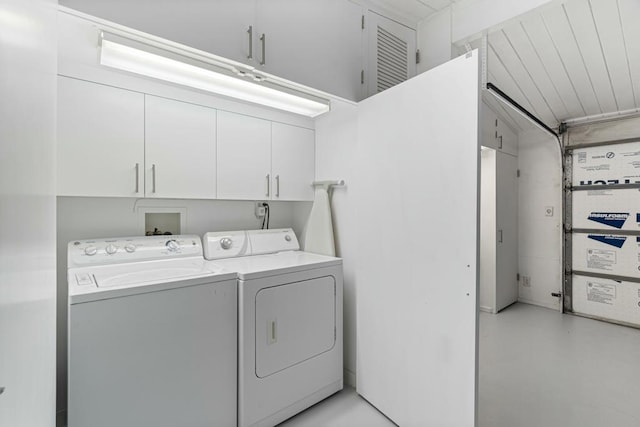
[(146, 60)]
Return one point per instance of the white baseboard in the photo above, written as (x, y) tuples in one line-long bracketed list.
[(486, 309)]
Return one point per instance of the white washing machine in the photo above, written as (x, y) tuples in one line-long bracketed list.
[(152, 335), (289, 322)]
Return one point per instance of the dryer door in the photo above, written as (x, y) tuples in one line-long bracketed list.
[(294, 322)]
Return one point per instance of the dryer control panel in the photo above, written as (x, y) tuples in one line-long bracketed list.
[(131, 249), (231, 244)]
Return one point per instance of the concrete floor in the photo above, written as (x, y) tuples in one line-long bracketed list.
[(538, 368)]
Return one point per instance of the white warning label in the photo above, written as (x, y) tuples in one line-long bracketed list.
[(601, 259), (601, 293)]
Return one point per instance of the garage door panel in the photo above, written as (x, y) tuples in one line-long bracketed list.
[(607, 299), (607, 164), (607, 209), (604, 239)]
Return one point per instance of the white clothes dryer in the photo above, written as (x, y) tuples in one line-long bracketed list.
[(152, 334), (289, 322)]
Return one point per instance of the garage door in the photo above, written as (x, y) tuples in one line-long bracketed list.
[(602, 231)]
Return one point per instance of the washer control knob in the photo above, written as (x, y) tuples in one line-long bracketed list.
[(130, 247), (172, 245), (226, 243), (287, 238), (111, 249), (90, 250)]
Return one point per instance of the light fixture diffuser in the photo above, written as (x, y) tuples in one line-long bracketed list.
[(148, 63)]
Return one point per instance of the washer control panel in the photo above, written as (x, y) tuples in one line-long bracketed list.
[(130, 249)]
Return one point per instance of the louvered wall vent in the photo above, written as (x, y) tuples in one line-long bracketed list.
[(392, 60)]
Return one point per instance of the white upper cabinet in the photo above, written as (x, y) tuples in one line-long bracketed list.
[(100, 140), (218, 26), (261, 160), (244, 157), (180, 149), (314, 42), (495, 133), (292, 162), (317, 43), (507, 139)]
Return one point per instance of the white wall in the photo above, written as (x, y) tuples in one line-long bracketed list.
[(85, 217), (27, 212), (540, 236), (336, 138)]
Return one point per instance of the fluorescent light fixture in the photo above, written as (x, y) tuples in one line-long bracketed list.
[(126, 55)]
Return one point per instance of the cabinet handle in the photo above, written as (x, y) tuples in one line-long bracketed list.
[(268, 179), (500, 144), (263, 39), (250, 32), (277, 185), (500, 236), (153, 178), (137, 177)]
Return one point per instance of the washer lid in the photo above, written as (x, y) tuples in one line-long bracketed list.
[(106, 281)]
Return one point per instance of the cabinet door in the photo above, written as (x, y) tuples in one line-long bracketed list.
[(293, 162), (314, 42), (100, 140), (180, 145), (507, 139), (507, 230), (488, 127), (219, 26), (391, 52), (244, 157)]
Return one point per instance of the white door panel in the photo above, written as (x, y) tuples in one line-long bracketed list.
[(292, 162), (316, 43), (417, 275), (244, 157), (392, 49), (294, 322), (180, 149), (100, 140), (507, 230), (219, 26)]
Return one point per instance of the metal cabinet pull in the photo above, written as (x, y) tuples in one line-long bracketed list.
[(277, 185), (500, 145), (137, 177), (250, 32), (153, 178), (500, 236), (263, 39), (268, 179)]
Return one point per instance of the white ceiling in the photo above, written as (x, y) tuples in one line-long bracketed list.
[(414, 10), (575, 59)]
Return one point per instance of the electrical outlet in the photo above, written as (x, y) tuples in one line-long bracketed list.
[(548, 210), (526, 281), (260, 210)]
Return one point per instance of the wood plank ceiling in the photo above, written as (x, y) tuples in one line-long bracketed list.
[(575, 59)]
